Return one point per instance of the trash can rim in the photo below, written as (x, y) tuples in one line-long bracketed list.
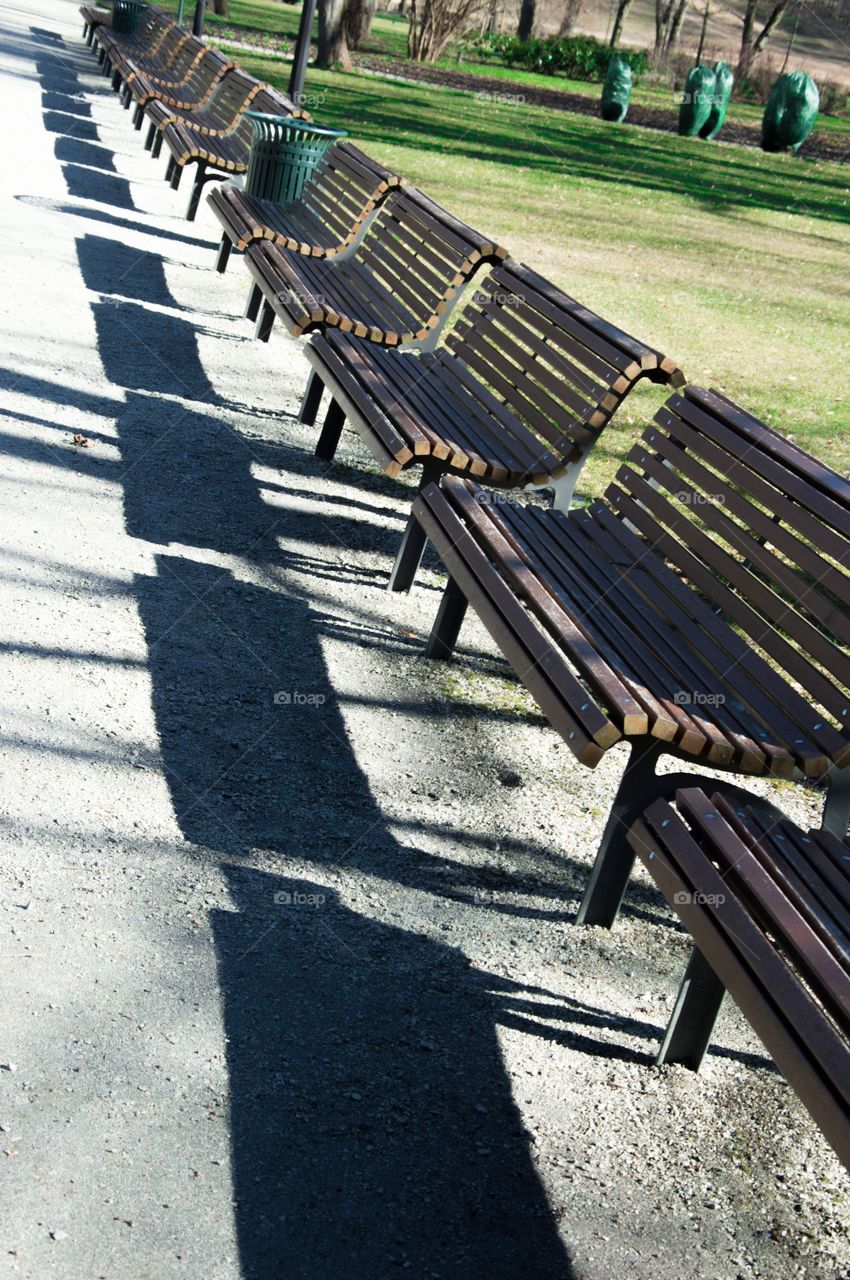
[(294, 122)]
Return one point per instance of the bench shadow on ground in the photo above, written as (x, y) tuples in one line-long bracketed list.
[(372, 1117)]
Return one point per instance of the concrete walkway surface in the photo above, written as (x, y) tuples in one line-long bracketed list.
[(289, 984)]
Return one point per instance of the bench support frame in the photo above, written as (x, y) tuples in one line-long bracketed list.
[(414, 538), (691, 1024), (639, 786)]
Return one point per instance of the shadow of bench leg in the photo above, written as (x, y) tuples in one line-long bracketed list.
[(694, 1015), (448, 622), (265, 322), (414, 539), (223, 255), (615, 857), (311, 399), (330, 433)]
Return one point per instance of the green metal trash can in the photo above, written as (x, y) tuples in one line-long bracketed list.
[(284, 152), (127, 14)]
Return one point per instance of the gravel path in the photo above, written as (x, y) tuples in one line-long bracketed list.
[(289, 983)]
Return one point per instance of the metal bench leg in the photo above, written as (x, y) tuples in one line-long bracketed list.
[(413, 540), (156, 146), (176, 174), (150, 137), (836, 808), (265, 322), (311, 399), (116, 81), (331, 432), (614, 857), (223, 254), (197, 188), (694, 1015), (138, 116), (447, 623), (252, 306)]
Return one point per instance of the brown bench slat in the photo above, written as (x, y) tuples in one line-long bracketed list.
[(770, 958)]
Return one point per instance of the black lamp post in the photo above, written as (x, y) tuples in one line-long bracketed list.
[(198, 22), (302, 51)]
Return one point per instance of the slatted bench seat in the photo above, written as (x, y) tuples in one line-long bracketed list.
[(218, 154), (768, 907), (517, 394), (701, 608), (197, 74), (162, 62), (343, 190), (233, 95), (114, 47), (393, 288)]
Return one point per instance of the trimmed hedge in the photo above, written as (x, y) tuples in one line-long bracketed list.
[(577, 57)]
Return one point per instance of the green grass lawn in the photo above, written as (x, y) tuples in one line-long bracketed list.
[(732, 261), (389, 37)]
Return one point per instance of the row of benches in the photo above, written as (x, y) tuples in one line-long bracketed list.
[(194, 98), (700, 609)]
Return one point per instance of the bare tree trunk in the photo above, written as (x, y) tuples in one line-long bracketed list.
[(358, 21), (220, 7), (765, 33), (525, 26), (623, 7), (333, 46), (704, 28), (570, 18), (663, 13), (746, 55), (784, 66), (676, 26)]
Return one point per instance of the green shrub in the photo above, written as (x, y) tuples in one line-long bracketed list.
[(577, 57)]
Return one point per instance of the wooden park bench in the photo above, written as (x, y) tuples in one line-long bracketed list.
[(768, 907), (159, 63), (216, 139), (197, 72), (701, 609), (343, 190), (115, 47), (516, 395), (392, 288), (93, 16)]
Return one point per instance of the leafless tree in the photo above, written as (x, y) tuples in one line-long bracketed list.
[(752, 43), (569, 18), (358, 21), (333, 44), (623, 7), (433, 23)]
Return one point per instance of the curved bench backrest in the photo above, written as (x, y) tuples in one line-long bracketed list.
[(762, 531)]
